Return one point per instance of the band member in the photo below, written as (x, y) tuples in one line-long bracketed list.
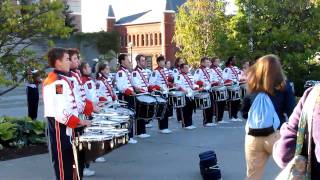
[(104, 84), (91, 93), (123, 84), (219, 105), (231, 73), (159, 81), (34, 79), (88, 83), (140, 84), (204, 78), (61, 111), (171, 80), (176, 71), (84, 105), (186, 84)]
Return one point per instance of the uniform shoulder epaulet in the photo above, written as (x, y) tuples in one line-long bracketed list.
[(51, 78), (89, 85), (197, 71), (226, 70), (153, 74), (119, 73), (134, 74), (179, 77)]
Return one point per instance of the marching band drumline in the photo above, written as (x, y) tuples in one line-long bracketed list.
[(141, 99)]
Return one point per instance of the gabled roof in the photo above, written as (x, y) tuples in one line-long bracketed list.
[(131, 18)]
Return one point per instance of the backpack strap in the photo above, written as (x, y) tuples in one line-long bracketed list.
[(306, 120)]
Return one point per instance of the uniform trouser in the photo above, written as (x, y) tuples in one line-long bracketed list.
[(208, 113), (61, 151), (81, 154), (219, 109), (163, 123), (257, 151), (234, 108), (187, 113), (130, 100), (33, 101), (179, 114)]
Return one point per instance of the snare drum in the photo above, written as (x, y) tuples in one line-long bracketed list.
[(202, 100), (95, 145), (122, 119), (121, 136), (105, 123), (124, 111), (219, 93), (233, 92), (161, 107), (97, 129), (177, 99), (145, 107)]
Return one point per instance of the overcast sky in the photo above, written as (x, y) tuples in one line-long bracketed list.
[(94, 12)]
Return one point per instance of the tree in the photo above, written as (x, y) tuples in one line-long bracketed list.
[(200, 26), (22, 25), (287, 28)]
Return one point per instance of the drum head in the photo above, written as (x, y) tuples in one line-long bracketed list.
[(176, 93), (121, 110), (233, 88), (146, 99), (98, 129), (202, 95), (160, 100), (95, 137), (105, 123)]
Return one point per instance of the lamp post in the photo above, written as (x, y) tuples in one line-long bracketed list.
[(130, 45)]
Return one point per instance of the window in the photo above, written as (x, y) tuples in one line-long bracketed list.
[(142, 40), (151, 39), (129, 39), (147, 40), (160, 39), (133, 40), (155, 39), (138, 40)]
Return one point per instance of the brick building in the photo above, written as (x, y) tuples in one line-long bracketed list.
[(149, 33)]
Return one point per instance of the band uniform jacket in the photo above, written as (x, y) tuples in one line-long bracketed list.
[(185, 82), (232, 73), (104, 87), (217, 71), (84, 105), (204, 77), (159, 79), (140, 80), (90, 88), (123, 81)]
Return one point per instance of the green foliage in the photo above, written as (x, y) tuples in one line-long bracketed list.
[(200, 26), (21, 131), (103, 41), (22, 26), (289, 29)]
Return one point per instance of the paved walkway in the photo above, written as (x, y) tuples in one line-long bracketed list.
[(160, 157)]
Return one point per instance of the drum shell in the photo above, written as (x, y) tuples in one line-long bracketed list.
[(243, 90), (161, 108), (234, 93), (145, 110), (219, 93), (177, 99), (202, 101)]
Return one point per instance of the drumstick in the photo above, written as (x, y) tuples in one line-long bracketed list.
[(75, 156)]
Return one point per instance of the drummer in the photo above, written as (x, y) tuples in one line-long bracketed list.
[(231, 73), (140, 84), (61, 111), (186, 84), (88, 83), (204, 78), (123, 84), (104, 85), (159, 82), (220, 105), (176, 73)]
